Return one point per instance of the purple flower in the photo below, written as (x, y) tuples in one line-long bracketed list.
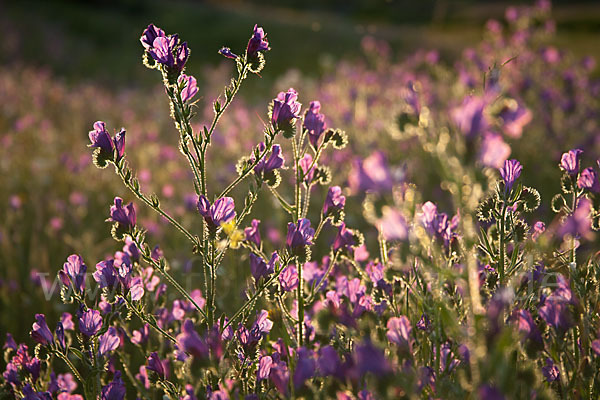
[(510, 173), (73, 273), (252, 233), (344, 238), (305, 367), (588, 179), (299, 235), (285, 110), (289, 278), (514, 119), (578, 224), (280, 377), (162, 49), (60, 334), (371, 174), (399, 331), (226, 52), (314, 123), (538, 228), (569, 161), (221, 212), (102, 140), (30, 394), (105, 274), (470, 117), (554, 310), (369, 358), (40, 331), (190, 342), (489, 392), (156, 365), (108, 341), (494, 151), (90, 322), (124, 216), (307, 168), (189, 87), (267, 165), (550, 371), (424, 323), (393, 225), (260, 268), (334, 202), (527, 326), (10, 342), (115, 390), (149, 35), (258, 42), (264, 368), (329, 362)]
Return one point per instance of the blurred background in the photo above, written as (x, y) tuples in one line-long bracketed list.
[(66, 64)]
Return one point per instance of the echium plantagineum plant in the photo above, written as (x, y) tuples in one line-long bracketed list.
[(485, 303)]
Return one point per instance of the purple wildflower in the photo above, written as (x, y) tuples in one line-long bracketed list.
[(344, 239), (264, 368), (226, 52), (90, 322), (258, 42), (267, 165), (108, 341), (588, 179), (190, 342), (149, 35), (260, 268), (221, 212), (162, 49), (329, 362), (289, 278), (470, 117), (60, 335), (115, 390), (578, 224), (527, 327), (314, 123), (307, 168), (105, 274), (334, 202), (569, 161), (155, 364), (280, 377), (510, 173), (189, 87), (252, 233), (299, 235), (73, 273), (40, 331), (371, 174), (399, 331), (550, 371), (494, 151), (369, 358), (305, 367), (285, 110), (393, 225), (124, 216), (102, 140)]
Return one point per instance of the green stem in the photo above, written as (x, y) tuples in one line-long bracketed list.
[(169, 278), (74, 370), (502, 233), (253, 298), (142, 197)]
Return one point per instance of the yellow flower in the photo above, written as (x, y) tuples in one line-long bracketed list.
[(235, 235)]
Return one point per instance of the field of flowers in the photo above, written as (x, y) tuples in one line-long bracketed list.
[(395, 229)]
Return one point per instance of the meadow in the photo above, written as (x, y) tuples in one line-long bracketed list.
[(413, 219)]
